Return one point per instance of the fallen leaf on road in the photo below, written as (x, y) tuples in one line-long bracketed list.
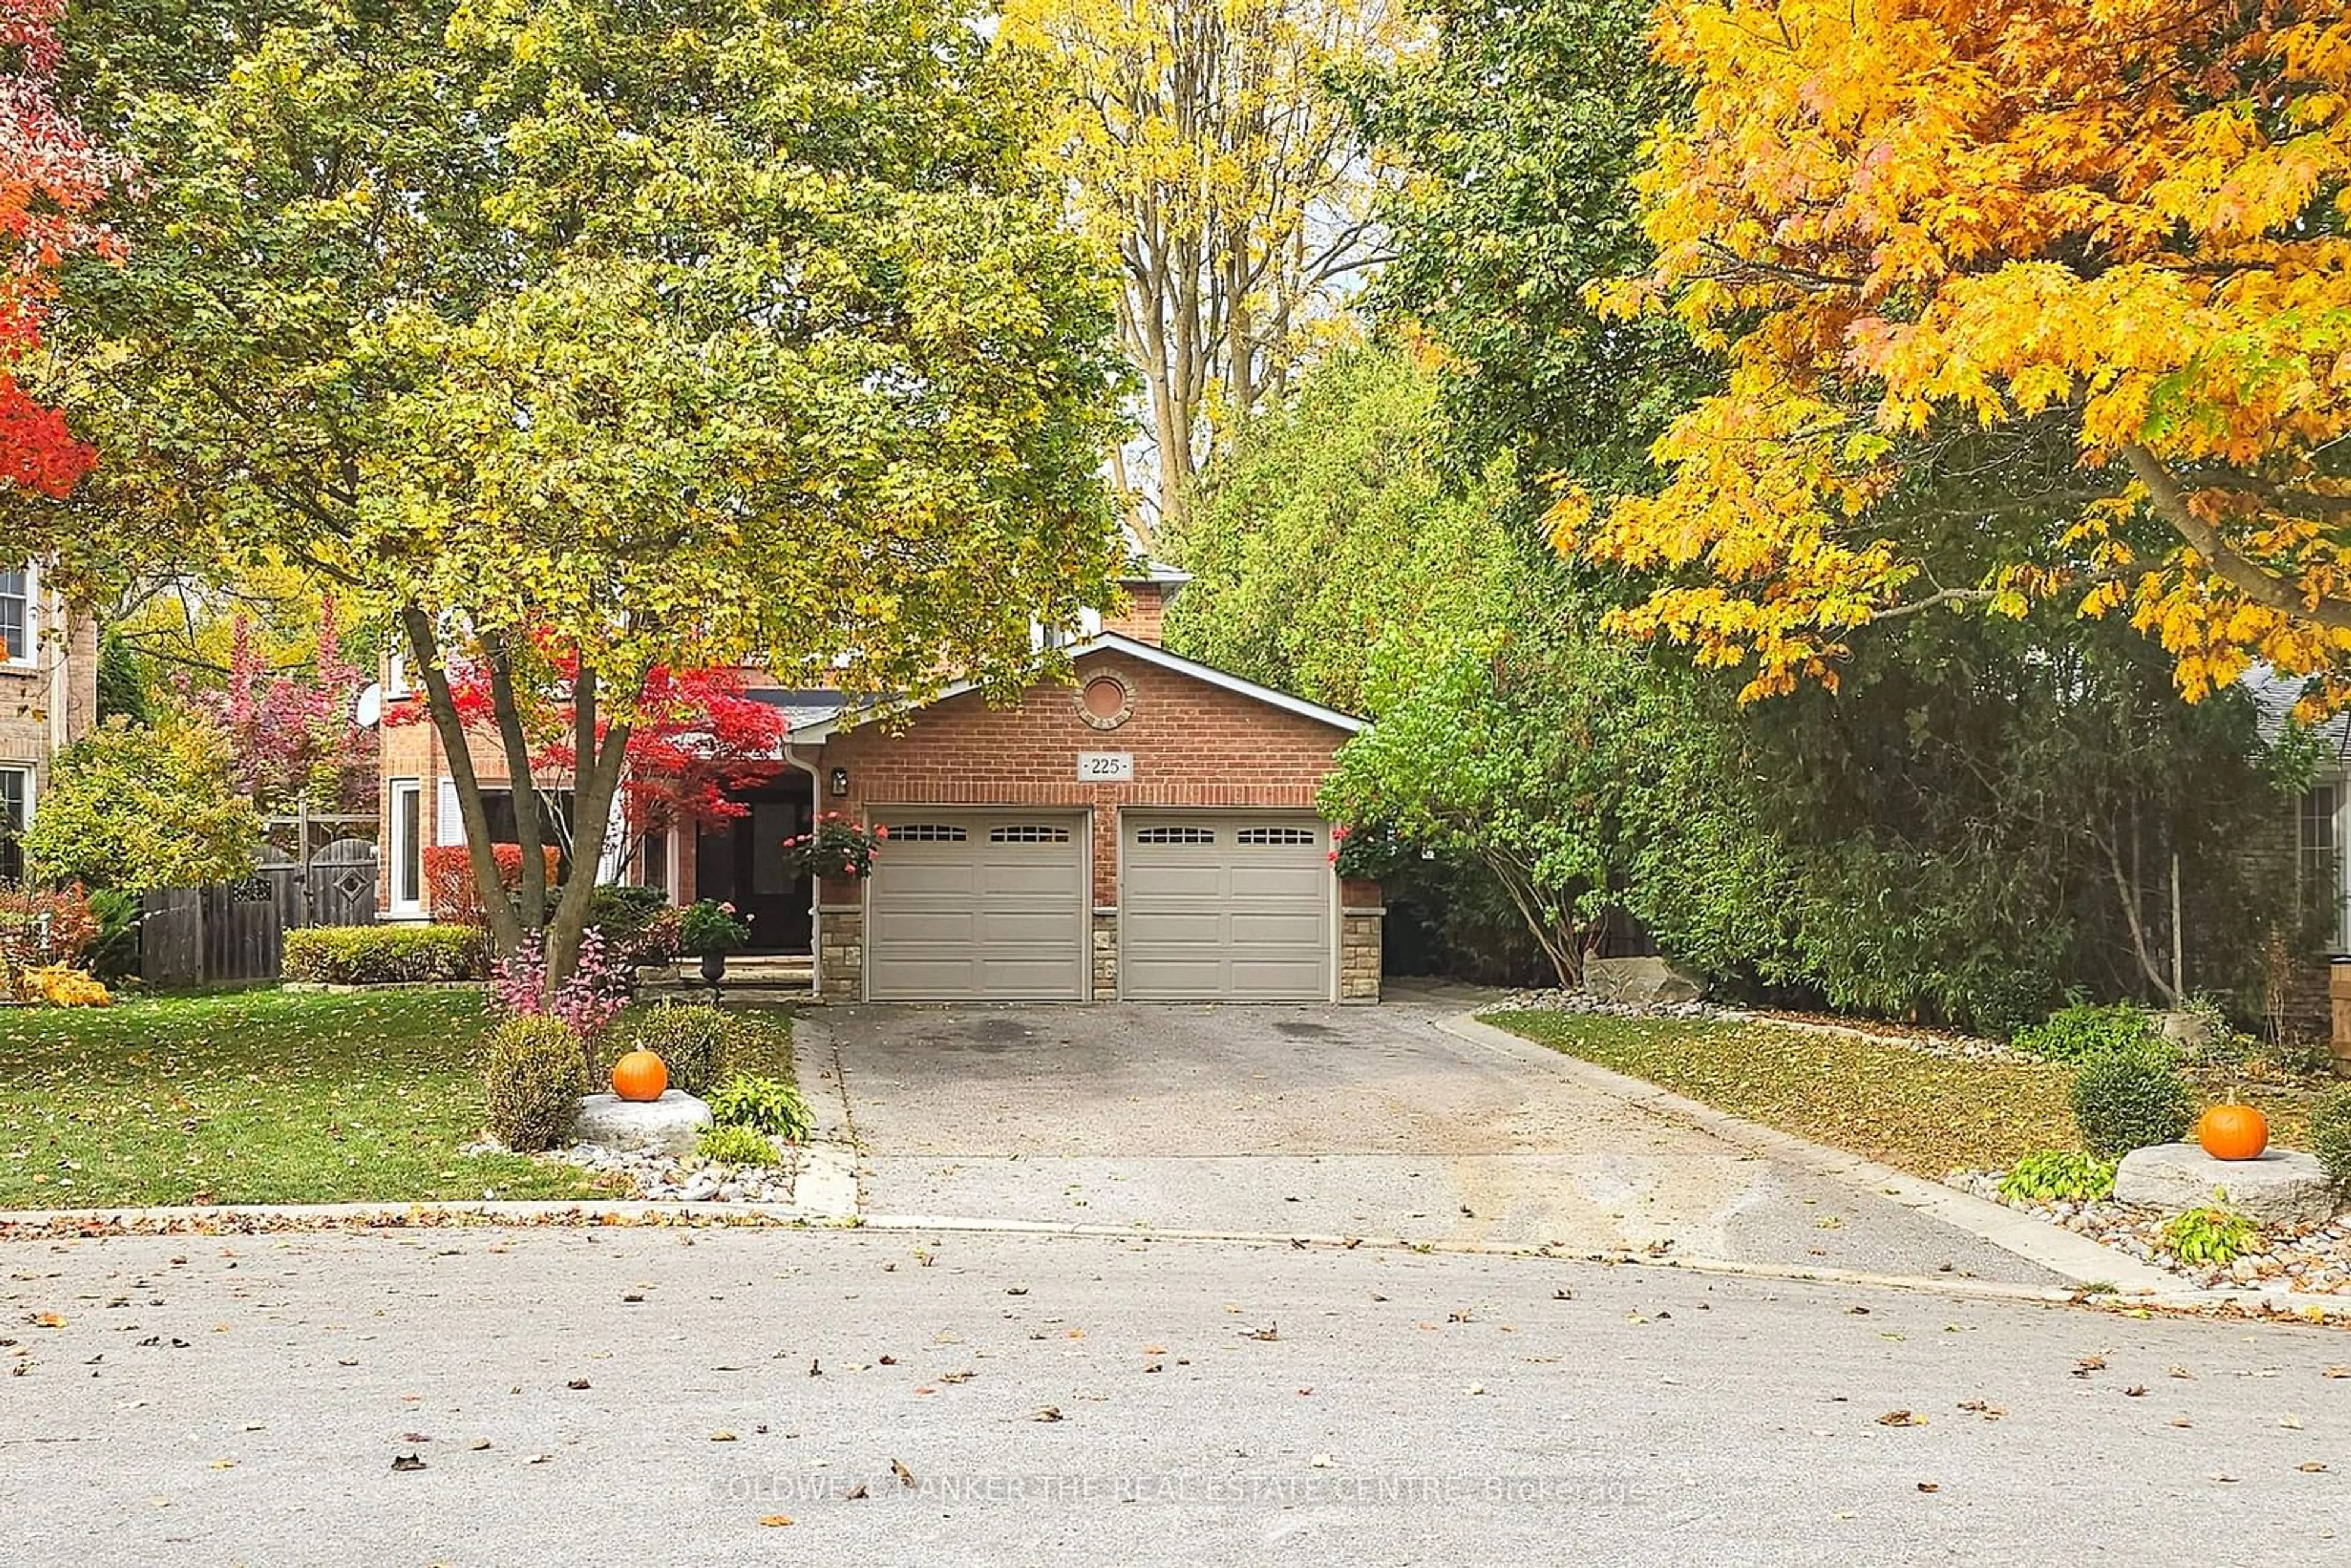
[(1270, 1333), (478, 1444), (538, 1459), (722, 1435), (2291, 1422), (2182, 1421), (1930, 1486), (964, 1377), (1558, 1295), (1320, 1461), (2135, 1391), (1979, 1407), (2179, 1372), (857, 1493), (1901, 1419), (2222, 1476), (775, 1520), (577, 1382), (408, 1461), (1046, 1413), (2336, 1372), (2089, 1364), (2313, 1467)]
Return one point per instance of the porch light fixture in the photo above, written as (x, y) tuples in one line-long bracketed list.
[(841, 780)]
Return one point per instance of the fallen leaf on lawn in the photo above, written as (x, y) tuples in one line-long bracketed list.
[(775, 1520), (408, 1461), (1901, 1419)]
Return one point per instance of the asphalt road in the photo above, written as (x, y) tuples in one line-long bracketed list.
[(1326, 1121), (658, 1397)]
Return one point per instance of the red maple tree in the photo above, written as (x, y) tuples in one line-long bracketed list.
[(698, 735), (51, 181)]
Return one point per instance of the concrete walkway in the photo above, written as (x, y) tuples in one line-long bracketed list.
[(1336, 1122)]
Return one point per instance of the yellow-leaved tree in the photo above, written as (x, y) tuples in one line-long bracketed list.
[(1201, 144), (2113, 232)]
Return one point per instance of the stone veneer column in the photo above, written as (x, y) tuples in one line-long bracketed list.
[(840, 952), (1105, 954), (1359, 955)]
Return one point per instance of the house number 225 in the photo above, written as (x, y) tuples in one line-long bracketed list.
[(1105, 766)]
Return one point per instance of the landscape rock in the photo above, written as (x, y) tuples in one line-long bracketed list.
[(1645, 980), (668, 1124), (2283, 1187)]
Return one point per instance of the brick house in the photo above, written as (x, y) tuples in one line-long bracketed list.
[(1144, 830), (48, 697)]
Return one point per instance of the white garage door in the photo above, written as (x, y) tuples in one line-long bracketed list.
[(1224, 907), (978, 906)]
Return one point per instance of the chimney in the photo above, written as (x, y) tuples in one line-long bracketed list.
[(1148, 593)]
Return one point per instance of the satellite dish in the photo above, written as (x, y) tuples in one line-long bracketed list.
[(369, 710)]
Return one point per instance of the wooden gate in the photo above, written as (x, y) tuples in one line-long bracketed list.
[(236, 931)]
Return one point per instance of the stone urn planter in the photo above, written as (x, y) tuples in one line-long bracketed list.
[(713, 973)]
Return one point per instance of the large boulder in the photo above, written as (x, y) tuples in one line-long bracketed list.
[(2282, 1187), (1644, 981), (668, 1124)]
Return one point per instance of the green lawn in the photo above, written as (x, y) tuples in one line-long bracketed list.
[(255, 1097), (1925, 1114)]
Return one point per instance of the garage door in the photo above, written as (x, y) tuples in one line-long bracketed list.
[(1223, 908), (968, 904)]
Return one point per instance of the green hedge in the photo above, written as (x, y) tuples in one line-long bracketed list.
[(382, 954)]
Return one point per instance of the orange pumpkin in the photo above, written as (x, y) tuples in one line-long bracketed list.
[(640, 1075), (2233, 1132)]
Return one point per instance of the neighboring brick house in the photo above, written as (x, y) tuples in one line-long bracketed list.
[(1145, 831), (48, 697)]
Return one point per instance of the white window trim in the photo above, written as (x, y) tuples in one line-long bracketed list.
[(402, 851), (395, 676), (32, 782), (29, 656)]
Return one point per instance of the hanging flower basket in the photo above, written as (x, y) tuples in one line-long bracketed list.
[(835, 847)]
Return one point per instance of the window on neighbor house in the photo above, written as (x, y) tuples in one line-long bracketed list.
[(15, 814), (19, 623), (2320, 865), (407, 846)]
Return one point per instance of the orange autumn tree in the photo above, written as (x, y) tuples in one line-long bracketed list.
[(2112, 231)]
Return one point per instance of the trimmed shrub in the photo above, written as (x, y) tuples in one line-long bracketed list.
[(638, 924), (700, 1044), (729, 1145), (2131, 1099), (533, 1077), (2330, 1132), (2081, 1034), (382, 954), (767, 1105)]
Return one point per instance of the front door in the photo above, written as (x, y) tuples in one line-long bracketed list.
[(742, 861)]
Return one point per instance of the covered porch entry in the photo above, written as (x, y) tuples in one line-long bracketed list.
[(741, 861)]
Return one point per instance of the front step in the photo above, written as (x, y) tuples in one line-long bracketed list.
[(767, 973)]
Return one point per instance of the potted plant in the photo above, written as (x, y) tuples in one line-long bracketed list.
[(711, 929), (835, 846)]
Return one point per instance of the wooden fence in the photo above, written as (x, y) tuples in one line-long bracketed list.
[(236, 930)]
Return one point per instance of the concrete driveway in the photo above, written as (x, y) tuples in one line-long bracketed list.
[(1324, 1120)]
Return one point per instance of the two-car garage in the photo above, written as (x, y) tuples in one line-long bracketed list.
[(994, 906)]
